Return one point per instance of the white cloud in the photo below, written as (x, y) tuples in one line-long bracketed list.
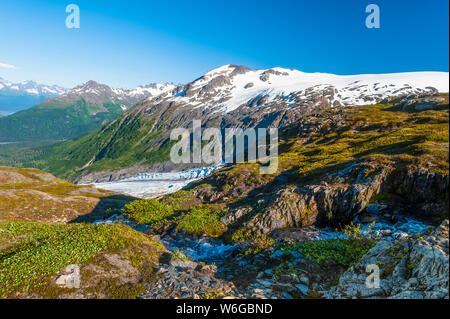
[(7, 66)]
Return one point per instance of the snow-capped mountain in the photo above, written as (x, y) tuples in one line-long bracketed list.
[(153, 89), (227, 88), (31, 87), (97, 93), (19, 96), (232, 96), (75, 112)]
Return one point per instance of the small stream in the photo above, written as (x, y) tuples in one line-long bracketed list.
[(388, 225), (388, 231), (213, 250), (206, 249)]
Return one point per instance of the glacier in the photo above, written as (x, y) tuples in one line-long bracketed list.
[(153, 185)]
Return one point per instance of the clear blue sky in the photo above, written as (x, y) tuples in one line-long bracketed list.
[(128, 43)]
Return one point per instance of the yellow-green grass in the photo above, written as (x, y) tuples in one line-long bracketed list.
[(178, 209), (33, 195), (373, 132)]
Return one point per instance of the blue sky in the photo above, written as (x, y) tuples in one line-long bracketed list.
[(128, 43)]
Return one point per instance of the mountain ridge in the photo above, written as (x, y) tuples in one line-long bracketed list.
[(22, 95), (74, 113), (139, 140)]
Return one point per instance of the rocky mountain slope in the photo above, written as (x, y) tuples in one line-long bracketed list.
[(74, 113), (15, 97), (410, 269), (229, 96), (357, 186), (332, 166), (383, 167)]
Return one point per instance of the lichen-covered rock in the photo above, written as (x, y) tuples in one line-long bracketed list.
[(340, 199), (342, 196), (409, 269)]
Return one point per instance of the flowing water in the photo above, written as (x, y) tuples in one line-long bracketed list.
[(215, 250)]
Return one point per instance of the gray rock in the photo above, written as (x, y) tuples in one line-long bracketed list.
[(303, 289), (277, 254), (286, 295), (411, 269)]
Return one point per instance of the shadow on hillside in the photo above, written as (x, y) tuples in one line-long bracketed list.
[(106, 207), (316, 176), (399, 108)]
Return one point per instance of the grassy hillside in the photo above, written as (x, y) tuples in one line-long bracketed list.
[(33, 195), (40, 236), (24, 154), (114, 260), (55, 120), (121, 143)]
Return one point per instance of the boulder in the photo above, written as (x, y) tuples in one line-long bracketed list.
[(416, 268)]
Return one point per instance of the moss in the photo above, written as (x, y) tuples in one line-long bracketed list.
[(345, 252), (227, 187), (381, 197), (114, 289)]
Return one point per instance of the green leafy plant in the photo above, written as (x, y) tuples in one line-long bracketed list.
[(203, 220), (345, 252), (148, 211)]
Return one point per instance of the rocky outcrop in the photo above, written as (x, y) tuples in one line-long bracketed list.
[(411, 103), (331, 202), (423, 190), (344, 195), (416, 268), (189, 283)]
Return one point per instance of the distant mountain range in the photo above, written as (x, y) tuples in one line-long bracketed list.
[(15, 97), (74, 112), (138, 141)]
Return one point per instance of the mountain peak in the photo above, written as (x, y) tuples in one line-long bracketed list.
[(227, 70), (90, 84), (228, 87)]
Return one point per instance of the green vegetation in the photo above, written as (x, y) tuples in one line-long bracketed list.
[(381, 197), (120, 143), (255, 242), (24, 154), (380, 132), (33, 195), (35, 252), (181, 210), (216, 295), (345, 252), (149, 211), (56, 120), (203, 220), (178, 254)]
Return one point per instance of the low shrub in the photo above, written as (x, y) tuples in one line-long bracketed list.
[(148, 211)]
